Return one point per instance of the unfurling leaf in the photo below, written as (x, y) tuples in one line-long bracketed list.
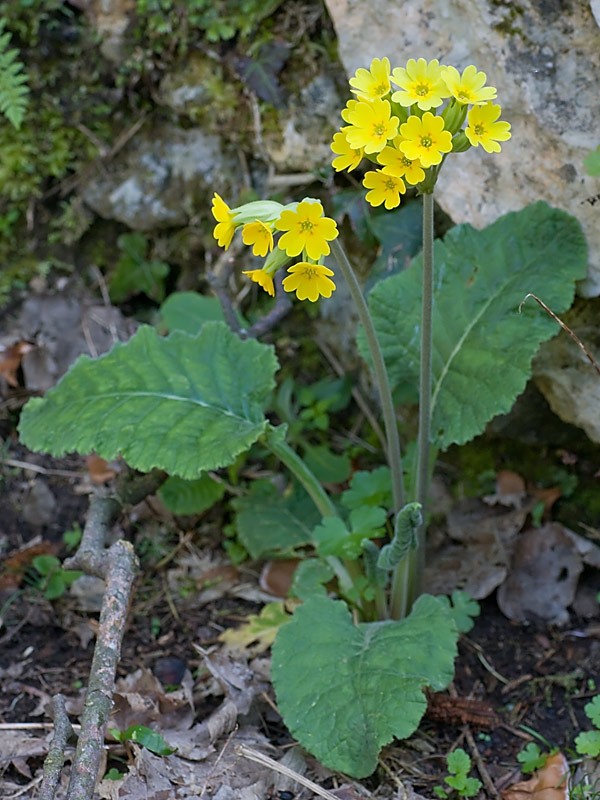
[(406, 527)]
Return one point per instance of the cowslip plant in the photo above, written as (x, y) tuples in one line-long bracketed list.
[(351, 666)]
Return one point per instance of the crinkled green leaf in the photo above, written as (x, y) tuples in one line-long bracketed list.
[(588, 743), (459, 763), (146, 737), (372, 488), (482, 345), (334, 538), (345, 690), (191, 497), (327, 466), (592, 711), (188, 311), (269, 522), (185, 404), (310, 577)]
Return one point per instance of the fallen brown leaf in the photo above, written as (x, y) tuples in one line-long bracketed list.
[(10, 361), (551, 782)]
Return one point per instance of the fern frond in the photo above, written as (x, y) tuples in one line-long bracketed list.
[(13, 81)]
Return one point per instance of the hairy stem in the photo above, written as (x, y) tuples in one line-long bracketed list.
[(394, 454)]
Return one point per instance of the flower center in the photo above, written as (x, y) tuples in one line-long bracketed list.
[(463, 95), (382, 88), (309, 272), (422, 89), (406, 162), (390, 185), (306, 226), (379, 129), (426, 141), (479, 130)]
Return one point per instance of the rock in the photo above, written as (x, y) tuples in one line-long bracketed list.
[(305, 128), (544, 58), (565, 375), (161, 178)]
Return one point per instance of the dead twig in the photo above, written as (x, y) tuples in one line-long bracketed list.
[(53, 763), (565, 328)]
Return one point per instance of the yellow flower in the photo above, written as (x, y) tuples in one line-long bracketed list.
[(484, 129), (309, 281), (425, 138), (263, 279), (421, 83), (371, 125), (348, 108), (347, 158), (395, 163), (225, 227), (306, 230), (469, 87), (259, 235), (384, 189), (372, 83)]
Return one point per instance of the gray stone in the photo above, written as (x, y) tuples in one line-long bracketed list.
[(160, 179), (544, 58)]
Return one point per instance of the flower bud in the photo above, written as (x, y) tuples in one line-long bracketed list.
[(460, 143), (454, 115)]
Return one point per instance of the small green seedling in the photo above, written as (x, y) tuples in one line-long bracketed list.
[(531, 758), (459, 766), (72, 537), (53, 580), (588, 743), (144, 736)]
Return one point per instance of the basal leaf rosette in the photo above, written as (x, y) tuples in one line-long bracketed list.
[(408, 131), (282, 234)]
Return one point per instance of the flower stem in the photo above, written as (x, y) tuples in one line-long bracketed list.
[(299, 469), (394, 454), (424, 437)]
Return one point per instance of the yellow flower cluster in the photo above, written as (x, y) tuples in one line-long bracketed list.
[(305, 232), (401, 132)]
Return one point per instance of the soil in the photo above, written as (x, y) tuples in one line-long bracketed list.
[(513, 683)]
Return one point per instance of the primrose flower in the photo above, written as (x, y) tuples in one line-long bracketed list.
[(348, 108), (309, 281), (225, 227), (469, 87), (306, 229), (394, 162), (371, 125), (347, 158), (425, 138), (259, 235), (384, 189), (372, 83), (421, 83), (262, 277), (484, 129)]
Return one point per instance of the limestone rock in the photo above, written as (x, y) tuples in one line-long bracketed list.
[(565, 376), (161, 178), (544, 58)]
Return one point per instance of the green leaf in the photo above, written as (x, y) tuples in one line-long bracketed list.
[(151, 740), (463, 609), (45, 564), (592, 163), (400, 234), (327, 466), (188, 311), (310, 577), (332, 537), (531, 758), (459, 763), (345, 690), (13, 79), (372, 488), (191, 497), (588, 744), (181, 403), (134, 273), (592, 710), (408, 520), (269, 522), (482, 345)]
